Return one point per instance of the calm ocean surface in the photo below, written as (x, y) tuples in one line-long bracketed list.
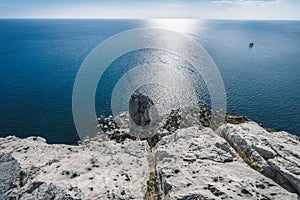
[(39, 60)]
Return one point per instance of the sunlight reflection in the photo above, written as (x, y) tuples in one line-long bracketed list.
[(185, 26)]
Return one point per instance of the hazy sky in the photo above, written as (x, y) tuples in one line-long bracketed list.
[(203, 9)]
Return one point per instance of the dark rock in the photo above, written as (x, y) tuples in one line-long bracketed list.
[(215, 190), (143, 116), (9, 171), (233, 118), (139, 108), (173, 121), (120, 137), (40, 191), (153, 140), (244, 191), (193, 197), (107, 123)]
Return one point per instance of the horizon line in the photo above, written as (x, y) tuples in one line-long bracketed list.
[(132, 18)]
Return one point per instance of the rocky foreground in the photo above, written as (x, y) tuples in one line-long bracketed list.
[(241, 161)]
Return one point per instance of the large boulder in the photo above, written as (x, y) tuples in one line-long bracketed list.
[(139, 109), (143, 115)]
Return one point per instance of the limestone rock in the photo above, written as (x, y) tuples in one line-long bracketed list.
[(276, 155), (246, 162), (39, 191), (122, 120), (95, 169), (9, 171), (198, 164)]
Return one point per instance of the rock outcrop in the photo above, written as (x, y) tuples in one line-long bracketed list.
[(143, 115), (198, 164), (95, 169), (139, 109), (38, 190), (276, 155), (9, 171), (241, 161)]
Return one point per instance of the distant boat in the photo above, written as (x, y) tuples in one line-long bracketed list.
[(251, 44)]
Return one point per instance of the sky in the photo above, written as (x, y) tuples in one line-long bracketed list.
[(202, 9)]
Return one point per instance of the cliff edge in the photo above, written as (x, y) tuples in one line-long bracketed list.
[(241, 161)]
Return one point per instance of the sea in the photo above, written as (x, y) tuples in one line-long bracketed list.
[(40, 58)]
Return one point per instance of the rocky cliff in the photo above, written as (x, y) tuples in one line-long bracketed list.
[(242, 161)]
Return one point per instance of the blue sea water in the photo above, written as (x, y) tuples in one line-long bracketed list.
[(39, 60)]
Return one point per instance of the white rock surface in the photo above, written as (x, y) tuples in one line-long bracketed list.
[(93, 170), (246, 162), (198, 164), (122, 120)]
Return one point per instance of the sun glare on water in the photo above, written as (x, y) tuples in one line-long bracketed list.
[(185, 26)]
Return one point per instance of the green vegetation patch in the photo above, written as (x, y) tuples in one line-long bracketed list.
[(152, 189)]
